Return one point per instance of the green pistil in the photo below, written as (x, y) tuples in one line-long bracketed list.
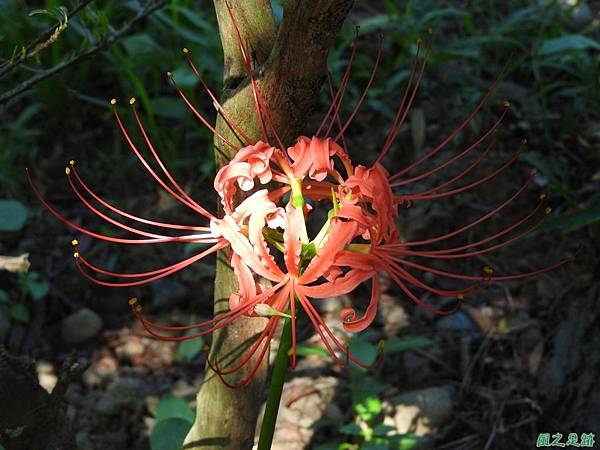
[(297, 197)]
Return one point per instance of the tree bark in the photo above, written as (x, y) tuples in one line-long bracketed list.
[(289, 65)]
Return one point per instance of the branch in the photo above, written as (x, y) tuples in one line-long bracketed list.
[(257, 29), (148, 9), (7, 66)]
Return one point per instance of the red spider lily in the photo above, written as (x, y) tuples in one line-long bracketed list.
[(358, 240)]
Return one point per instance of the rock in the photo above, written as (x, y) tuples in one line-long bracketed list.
[(81, 326), (4, 325), (422, 411), (580, 16), (168, 293), (459, 321), (303, 402), (122, 393)]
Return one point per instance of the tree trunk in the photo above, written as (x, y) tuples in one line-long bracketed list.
[(289, 64)]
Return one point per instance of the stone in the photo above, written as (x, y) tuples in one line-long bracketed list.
[(168, 293), (123, 393), (422, 411), (81, 326)]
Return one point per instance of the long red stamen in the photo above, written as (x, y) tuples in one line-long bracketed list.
[(454, 133), (404, 274), (452, 252), (159, 274), (242, 136), (154, 175), (321, 326), (128, 215), (249, 72), (469, 225), (221, 320), (337, 99), (214, 367), (426, 195), (417, 300), (471, 147), (364, 94), (176, 185), (403, 109), (201, 117), (481, 277), (93, 234)]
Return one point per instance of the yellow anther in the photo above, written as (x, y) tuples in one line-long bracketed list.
[(488, 270), (76, 255), (542, 196), (460, 297), (507, 104), (74, 242), (523, 141), (534, 172), (113, 101), (419, 40), (380, 345), (291, 352), (429, 30), (132, 100), (138, 307), (133, 301), (205, 348), (170, 74), (185, 50), (548, 210), (67, 170)]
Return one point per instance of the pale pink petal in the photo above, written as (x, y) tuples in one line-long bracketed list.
[(291, 239)]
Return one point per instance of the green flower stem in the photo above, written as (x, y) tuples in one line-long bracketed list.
[(282, 361)]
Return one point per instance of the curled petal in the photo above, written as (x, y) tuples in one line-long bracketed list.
[(351, 322), (313, 157)]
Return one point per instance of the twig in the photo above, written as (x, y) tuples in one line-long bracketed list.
[(7, 66), (490, 440), (148, 9)]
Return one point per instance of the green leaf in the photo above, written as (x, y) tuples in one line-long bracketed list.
[(351, 428), (4, 298), (408, 442), (362, 350), (172, 407), (142, 44), (405, 344), (13, 215), (568, 42), (368, 407), (19, 312), (311, 349), (37, 289), (188, 350), (383, 430), (169, 434), (169, 107), (573, 221)]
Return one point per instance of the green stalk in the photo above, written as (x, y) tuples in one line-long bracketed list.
[(282, 361)]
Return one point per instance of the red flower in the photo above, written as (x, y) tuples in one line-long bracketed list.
[(358, 240)]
